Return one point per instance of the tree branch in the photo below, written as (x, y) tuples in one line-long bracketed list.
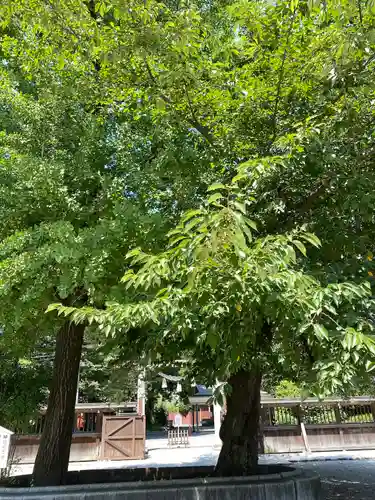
[(313, 196), (204, 131), (360, 12), (154, 81), (280, 81)]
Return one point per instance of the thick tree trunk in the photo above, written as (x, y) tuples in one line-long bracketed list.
[(52, 461), (240, 429)]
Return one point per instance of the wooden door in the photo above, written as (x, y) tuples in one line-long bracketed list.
[(123, 437)]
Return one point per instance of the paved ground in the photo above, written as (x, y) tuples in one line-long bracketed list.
[(349, 480), (343, 478)]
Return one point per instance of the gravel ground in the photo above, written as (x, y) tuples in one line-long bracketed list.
[(345, 479)]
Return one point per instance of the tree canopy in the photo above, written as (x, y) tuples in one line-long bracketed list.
[(278, 97), (117, 117), (230, 299)]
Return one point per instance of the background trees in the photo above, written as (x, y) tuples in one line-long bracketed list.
[(22, 391)]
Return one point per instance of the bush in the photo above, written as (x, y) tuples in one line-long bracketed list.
[(173, 405), (287, 389), (23, 390)]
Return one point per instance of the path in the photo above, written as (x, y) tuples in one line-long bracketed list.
[(345, 480)]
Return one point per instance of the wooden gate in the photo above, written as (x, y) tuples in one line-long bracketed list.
[(123, 438)]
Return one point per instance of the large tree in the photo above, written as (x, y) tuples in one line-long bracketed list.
[(170, 95), (58, 207), (282, 95), (236, 306), (82, 181)]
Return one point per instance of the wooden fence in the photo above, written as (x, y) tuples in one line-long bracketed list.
[(93, 438), (287, 426), (178, 437), (331, 425)]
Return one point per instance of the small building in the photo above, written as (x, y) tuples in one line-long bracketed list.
[(201, 414)]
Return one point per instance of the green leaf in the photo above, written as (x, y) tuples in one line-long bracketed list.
[(293, 5), (240, 242), (53, 307), (247, 231), (102, 9), (107, 330), (216, 187), (250, 223), (292, 254), (352, 339), (331, 309), (238, 177), (68, 311), (133, 253), (320, 331), (212, 339), (190, 214), (301, 247), (193, 223), (160, 103), (214, 197), (179, 239), (243, 226), (240, 207), (370, 344), (355, 356), (61, 62), (311, 238), (128, 276)]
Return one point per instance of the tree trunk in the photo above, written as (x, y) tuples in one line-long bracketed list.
[(52, 461), (240, 428)]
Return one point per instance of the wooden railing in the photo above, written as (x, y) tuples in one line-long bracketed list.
[(286, 426), (87, 419), (87, 434), (315, 413), (312, 425), (178, 437)]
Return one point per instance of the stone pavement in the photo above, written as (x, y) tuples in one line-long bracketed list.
[(345, 480), (161, 457), (203, 455)]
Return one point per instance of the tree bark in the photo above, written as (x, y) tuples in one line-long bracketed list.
[(240, 429), (52, 461)]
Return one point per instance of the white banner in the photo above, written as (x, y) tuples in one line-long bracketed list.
[(5, 436)]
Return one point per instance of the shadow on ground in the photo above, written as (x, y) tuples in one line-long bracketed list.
[(345, 479)]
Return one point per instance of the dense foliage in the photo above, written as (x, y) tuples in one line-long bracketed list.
[(106, 377), (22, 391), (229, 300), (82, 179), (117, 117)]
